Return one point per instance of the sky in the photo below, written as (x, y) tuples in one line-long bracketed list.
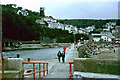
[(72, 9)]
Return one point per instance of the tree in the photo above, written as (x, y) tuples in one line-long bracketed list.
[(19, 27), (118, 22), (19, 8)]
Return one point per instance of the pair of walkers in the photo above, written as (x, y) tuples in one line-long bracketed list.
[(61, 55)]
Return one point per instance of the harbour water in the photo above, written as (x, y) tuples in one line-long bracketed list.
[(37, 54)]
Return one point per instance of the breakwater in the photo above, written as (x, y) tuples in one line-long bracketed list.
[(84, 48), (82, 51), (102, 65)]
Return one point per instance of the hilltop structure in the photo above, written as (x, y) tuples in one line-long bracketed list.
[(42, 14)]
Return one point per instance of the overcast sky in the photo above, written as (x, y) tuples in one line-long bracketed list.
[(72, 9)]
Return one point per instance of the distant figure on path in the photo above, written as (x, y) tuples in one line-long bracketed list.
[(98, 49), (59, 55), (64, 48), (63, 56), (114, 50)]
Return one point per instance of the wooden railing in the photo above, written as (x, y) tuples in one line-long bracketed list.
[(2, 77), (33, 73), (70, 73)]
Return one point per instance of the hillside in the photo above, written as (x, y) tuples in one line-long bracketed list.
[(83, 23), (19, 24)]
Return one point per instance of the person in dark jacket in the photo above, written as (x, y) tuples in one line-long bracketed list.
[(63, 56), (114, 50), (59, 55)]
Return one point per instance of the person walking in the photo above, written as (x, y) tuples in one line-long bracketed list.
[(59, 55), (63, 56), (114, 50)]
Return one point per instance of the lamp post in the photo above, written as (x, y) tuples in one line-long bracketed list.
[(74, 38), (74, 41), (73, 29)]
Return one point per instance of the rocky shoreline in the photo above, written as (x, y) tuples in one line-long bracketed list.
[(35, 46)]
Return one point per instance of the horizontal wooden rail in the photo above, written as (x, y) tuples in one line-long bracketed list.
[(33, 73), (71, 62), (34, 63)]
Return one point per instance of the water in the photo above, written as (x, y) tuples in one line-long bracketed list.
[(38, 54)]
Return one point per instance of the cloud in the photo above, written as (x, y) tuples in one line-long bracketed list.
[(71, 8)]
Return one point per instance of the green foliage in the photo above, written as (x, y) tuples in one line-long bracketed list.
[(95, 31), (24, 28), (17, 27), (67, 39), (118, 22), (71, 38), (87, 22)]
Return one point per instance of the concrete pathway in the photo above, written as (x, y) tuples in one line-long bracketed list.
[(61, 70)]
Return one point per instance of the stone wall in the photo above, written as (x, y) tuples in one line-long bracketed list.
[(106, 66), (82, 50), (13, 68), (13, 63)]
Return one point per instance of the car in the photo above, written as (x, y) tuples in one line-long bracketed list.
[(98, 52), (82, 42), (117, 41)]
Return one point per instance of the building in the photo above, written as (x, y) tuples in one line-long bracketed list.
[(52, 23), (67, 27), (49, 19), (81, 30), (96, 37), (89, 28), (40, 21), (105, 36), (55, 25), (23, 12)]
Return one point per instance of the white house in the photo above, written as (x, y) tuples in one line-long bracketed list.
[(23, 12), (40, 21), (81, 30), (113, 31), (60, 26), (96, 37), (106, 36), (67, 27), (49, 19), (110, 27), (90, 28), (111, 23), (106, 29), (75, 30), (55, 25), (52, 23)]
